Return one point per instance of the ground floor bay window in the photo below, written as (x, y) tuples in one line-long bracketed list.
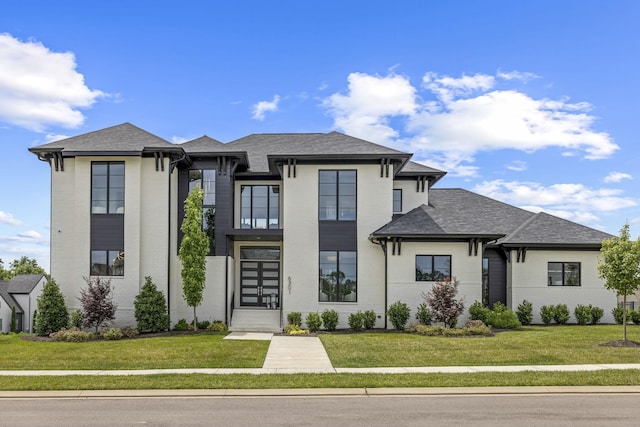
[(338, 276)]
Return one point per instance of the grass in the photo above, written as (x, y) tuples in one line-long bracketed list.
[(273, 381), (533, 345), (205, 350)]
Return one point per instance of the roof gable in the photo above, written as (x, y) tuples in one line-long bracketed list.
[(23, 283)]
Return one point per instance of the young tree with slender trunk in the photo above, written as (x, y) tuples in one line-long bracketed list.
[(193, 251), (97, 303), (620, 267)]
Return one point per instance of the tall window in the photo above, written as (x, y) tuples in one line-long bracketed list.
[(107, 187), (107, 263), (337, 192), (431, 268), (397, 200), (259, 206), (338, 276), (564, 274), (206, 179)]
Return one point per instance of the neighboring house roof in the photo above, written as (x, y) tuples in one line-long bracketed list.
[(7, 297), (333, 145), (123, 138), (457, 213), (23, 283)]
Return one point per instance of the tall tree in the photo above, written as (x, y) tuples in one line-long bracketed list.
[(193, 251), (26, 265), (52, 311), (4, 274), (620, 268), (97, 303)]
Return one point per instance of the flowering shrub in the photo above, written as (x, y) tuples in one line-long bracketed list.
[(72, 335)]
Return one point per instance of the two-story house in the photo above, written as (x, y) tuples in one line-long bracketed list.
[(299, 222)]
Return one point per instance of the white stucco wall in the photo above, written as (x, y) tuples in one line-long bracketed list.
[(402, 274), (529, 281), (411, 198), (5, 316)]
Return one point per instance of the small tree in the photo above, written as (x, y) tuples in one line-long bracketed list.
[(193, 251), (26, 265), (52, 311), (620, 268), (97, 303), (151, 308), (13, 326), (444, 306)]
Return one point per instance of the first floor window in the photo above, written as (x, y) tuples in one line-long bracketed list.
[(338, 276), (107, 263), (563, 274), (431, 268)]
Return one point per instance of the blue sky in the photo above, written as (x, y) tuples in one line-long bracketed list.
[(530, 102)]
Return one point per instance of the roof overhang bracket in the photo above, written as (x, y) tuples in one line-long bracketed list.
[(58, 161), (291, 165), (421, 182), (384, 167), (396, 243), (521, 254), (158, 156), (473, 247)]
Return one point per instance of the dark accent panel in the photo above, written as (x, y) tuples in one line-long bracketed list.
[(497, 276), (338, 235), (107, 231)]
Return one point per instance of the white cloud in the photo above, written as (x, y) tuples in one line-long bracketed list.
[(452, 119), (52, 138), (7, 218), (39, 87), (517, 166), (571, 201), (30, 234), (617, 177), (179, 139), (263, 107)]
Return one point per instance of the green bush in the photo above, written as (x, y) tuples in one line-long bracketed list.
[(369, 319), (217, 326), (14, 320), (561, 314), (313, 321), (112, 334), (635, 317), (129, 332), (477, 311), (52, 312), (430, 331), (503, 319), (399, 314), (583, 314), (525, 312), (423, 315), (292, 329), (356, 321), (618, 314), (477, 327), (75, 319), (151, 308), (596, 315), (203, 325), (72, 335), (33, 320), (294, 318), (330, 319), (546, 313), (182, 325)]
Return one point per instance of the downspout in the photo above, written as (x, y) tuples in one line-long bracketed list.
[(383, 246), (172, 165)]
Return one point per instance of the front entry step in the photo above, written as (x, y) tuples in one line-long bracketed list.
[(255, 320)]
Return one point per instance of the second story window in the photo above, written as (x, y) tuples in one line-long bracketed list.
[(206, 179), (107, 187), (337, 195), (397, 200), (259, 206)]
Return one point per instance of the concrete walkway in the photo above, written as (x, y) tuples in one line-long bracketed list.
[(297, 354)]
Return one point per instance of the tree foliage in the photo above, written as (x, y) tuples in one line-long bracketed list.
[(193, 251), (151, 308), (24, 265), (97, 303), (620, 267), (14, 320), (4, 273), (52, 311), (443, 303)]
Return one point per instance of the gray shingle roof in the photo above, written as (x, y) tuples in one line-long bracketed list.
[(7, 297), (203, 144), (259, 146), (23, 283), (120, 138), (457, 212), (417, 168)]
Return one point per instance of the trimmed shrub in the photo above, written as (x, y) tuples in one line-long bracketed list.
[(423, 315), (477, 327), (13, 325), (182, 325), (583, 314), (596, 315), (546, 313), (75, 319), (112, 334), (399, 314), (72, 335), (430, 331), (525, 312), (330, 319), (217, 326), (203, 325), (561, 314), (52, 312), (356, 321), (635, 317), (313, 321), (503, 319), (369, 319), (477, 311), (151, 308), (294, 318), (292, 329), (129, 332), (33, 320)]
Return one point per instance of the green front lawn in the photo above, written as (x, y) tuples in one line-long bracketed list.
[(205, 350), (533, 345)]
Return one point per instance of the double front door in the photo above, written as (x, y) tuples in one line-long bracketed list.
[(260, 280)]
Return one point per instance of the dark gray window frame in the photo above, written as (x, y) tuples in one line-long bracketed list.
[(110, 269), (432, 277), (337, 195), (397, 191), (564, 273), (108, 164), (251, 208), (338, 284), (207, 208)]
